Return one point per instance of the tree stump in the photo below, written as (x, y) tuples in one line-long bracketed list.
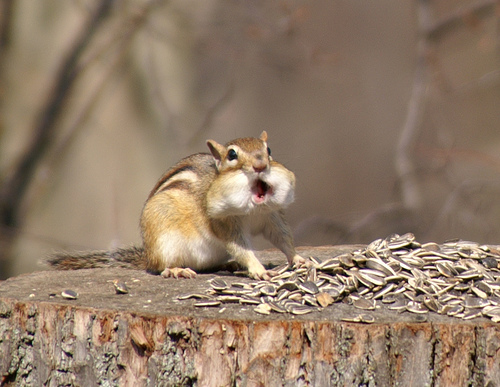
[(148, 338)]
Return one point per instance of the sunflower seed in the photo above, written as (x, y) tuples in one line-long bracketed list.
[(290, 286), (308, 287), (490, 263), (315, 260), (334, 291), (398, 242), (380, 265), (455, 310), (470, 314), (219, 284), (475, 302), (192, 295), (226, 298), (431, 304), (268, 290), (120, 287), (371, 278), (346, 260), (366, 318), (363, 303), (329, 264), (478, 292), (245, 299), (351, 319), (207, 303), (69, 294), (491, 311), (416, 307), (485, 287), (276, 307), (301, 309), (399, 304)]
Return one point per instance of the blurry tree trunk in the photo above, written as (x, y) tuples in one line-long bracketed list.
[(15, 185), (6, 10)]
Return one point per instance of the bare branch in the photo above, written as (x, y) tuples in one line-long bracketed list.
[(478, 9), (461, 154), (6, 11), (15, 186), (405, 168), (488, 80)]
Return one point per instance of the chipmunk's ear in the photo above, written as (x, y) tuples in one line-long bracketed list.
[(217, 150), (263, 136)]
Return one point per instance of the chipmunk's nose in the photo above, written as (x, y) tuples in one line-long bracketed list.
[(259, 166)]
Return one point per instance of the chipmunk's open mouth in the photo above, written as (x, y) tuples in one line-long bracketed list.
[(260, 190)]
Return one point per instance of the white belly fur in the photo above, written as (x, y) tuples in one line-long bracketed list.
[(196, 252)]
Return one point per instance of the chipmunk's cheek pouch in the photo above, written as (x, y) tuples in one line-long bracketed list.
[(260, 191)]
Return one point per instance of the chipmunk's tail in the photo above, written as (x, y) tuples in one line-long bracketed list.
[(128, 257)]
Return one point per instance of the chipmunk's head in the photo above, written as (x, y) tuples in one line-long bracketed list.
[(249, 176), (250, 154)]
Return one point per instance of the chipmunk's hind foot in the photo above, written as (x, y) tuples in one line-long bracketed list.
[(178, 272)]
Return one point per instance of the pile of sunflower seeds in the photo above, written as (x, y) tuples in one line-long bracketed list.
[(456, 278)]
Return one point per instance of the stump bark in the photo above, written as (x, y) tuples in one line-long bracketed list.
[(147, 338)]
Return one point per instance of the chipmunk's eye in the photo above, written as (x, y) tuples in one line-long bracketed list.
[(268, 151), (232, 155)]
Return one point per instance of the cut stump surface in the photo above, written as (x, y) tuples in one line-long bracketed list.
[(148, 337)]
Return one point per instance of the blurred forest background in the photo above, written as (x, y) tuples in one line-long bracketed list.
[(388, 112)]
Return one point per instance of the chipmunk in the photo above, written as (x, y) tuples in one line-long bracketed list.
[(203, 211)]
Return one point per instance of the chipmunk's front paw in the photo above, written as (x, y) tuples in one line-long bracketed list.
[(299, 261), (260, 276), (178, 272), (259, 273)]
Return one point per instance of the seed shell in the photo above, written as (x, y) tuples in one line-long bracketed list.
[(69, 294), (120, 287), (308, 287), (324, 299), (207, 303), (263, 309), (219, 284)]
